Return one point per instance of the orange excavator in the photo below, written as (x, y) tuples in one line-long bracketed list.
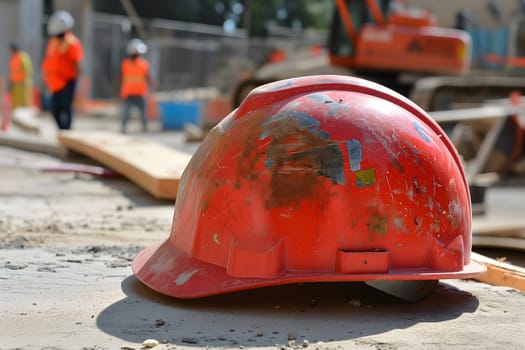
[(374, 35), (399, 47)]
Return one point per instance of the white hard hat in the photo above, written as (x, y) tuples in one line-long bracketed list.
[(60, 22), (136, 47)]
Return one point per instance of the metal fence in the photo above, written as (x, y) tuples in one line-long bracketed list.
[(182, 55)]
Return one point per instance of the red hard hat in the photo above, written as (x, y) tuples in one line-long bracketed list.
[(319, 178)]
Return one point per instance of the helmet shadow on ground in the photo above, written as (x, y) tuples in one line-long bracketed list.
[(316, 312)]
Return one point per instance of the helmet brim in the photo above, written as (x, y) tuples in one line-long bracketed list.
[(168, 270)]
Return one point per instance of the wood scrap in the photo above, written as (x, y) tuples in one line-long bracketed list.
[(194, 133), (502, 232), (26, 118), (500, 273), (500, 226), (33, 143), (478, 113), (154, 167), (498, 242)]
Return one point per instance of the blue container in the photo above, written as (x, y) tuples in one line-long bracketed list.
[(488, 42), (498, 39), (174, 114)]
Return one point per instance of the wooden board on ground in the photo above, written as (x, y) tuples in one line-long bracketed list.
[(33, 143), (486, 225), (500, 273), (503, 232), (154, 167), (26, 118), (503, 242), (194, 133), (478, 113)]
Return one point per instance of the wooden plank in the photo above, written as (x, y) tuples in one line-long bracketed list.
[(500, 273), (483, 112), (26, 118), (154, 167), (502, 242), (497, 225), (33, 143), (499, 232)]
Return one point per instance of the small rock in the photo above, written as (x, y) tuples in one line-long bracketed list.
[(150, 343), (159, 323), (291, 336), (10, 266), (75, 261), (190, 340), (305, 343)]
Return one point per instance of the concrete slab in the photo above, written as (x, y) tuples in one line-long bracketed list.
[(88, 298)]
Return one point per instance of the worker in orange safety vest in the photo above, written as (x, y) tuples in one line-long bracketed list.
[(20, 77), (61, 66), (135, 81)]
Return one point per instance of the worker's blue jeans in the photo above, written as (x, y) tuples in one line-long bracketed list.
[(134, 101), (62, 105)]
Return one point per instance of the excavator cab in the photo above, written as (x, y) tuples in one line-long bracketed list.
[(384, 36)]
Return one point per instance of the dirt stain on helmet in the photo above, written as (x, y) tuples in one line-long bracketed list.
[(301, 157)]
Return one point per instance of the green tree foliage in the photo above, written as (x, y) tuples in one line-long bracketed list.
[(260, 14)]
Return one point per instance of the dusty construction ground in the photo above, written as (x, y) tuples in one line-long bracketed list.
[(66, 242)]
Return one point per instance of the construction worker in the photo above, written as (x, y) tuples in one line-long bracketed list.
[(61, 66), (135, 80), (20, 77)]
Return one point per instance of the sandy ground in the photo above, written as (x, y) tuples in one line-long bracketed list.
[(66, 243)]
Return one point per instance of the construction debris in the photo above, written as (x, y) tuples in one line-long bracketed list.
[(34, 143), (150, 343), (27, 118)]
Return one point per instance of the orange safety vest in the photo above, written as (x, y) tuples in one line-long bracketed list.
[(61, 61), (16, 68), (134, 77)]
